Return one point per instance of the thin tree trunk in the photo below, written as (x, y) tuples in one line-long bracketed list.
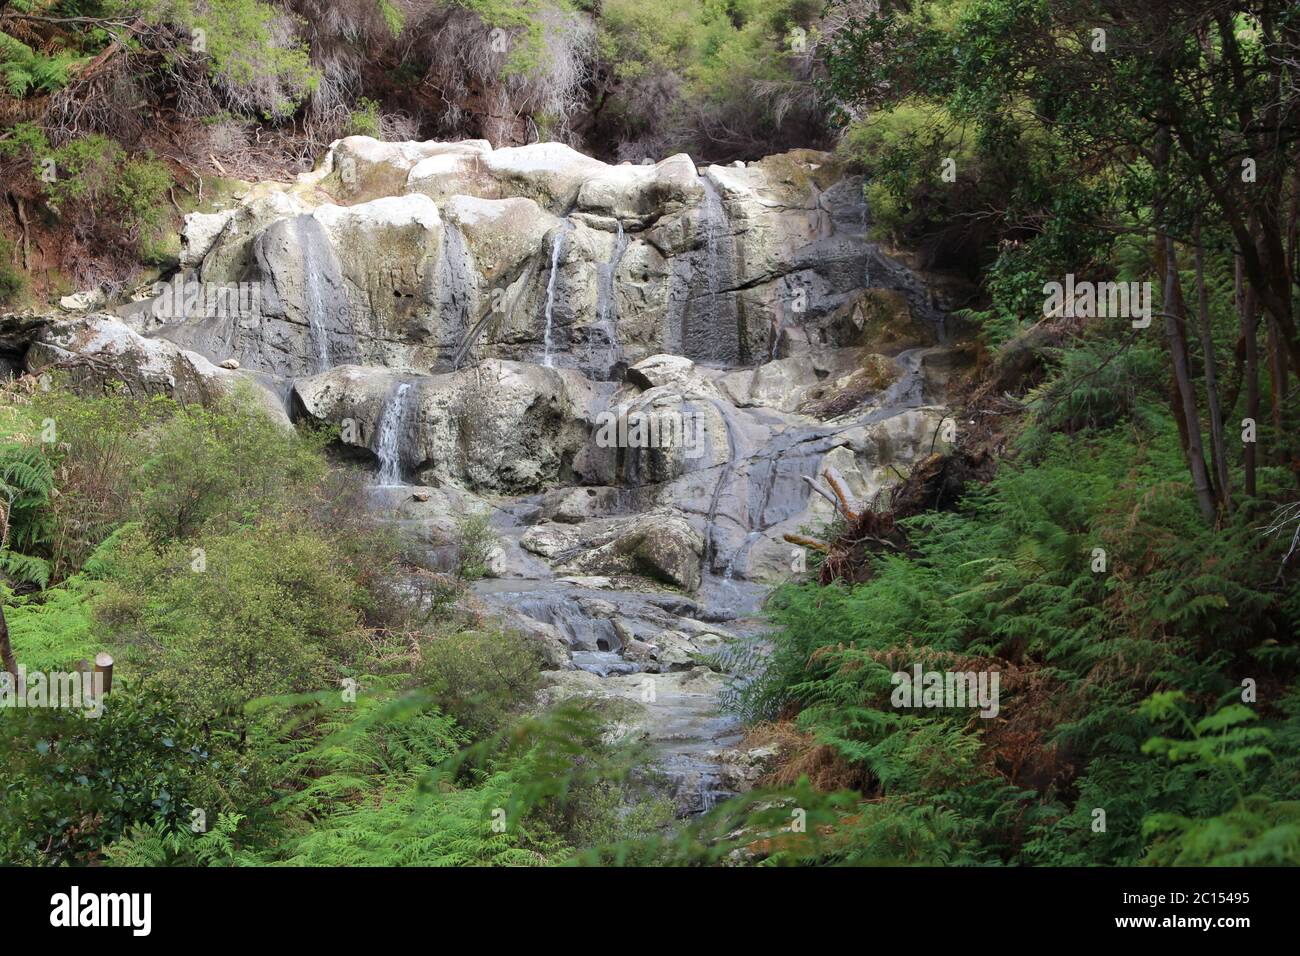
[(7, 659), (1173, 302), (1218, 452), (1178, 350), (1249, 330)]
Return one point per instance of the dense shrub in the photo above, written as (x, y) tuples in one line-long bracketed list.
[(74, 783), (481, 677)]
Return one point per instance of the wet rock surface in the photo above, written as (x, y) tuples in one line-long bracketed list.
[(635, 372)]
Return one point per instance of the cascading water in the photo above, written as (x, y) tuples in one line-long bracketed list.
[(392, 426), (733, 457), (557, 247)]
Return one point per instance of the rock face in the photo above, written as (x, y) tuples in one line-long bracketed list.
[(430, 256), (99, 354), (663, 354), (634, 371), (500, 426)]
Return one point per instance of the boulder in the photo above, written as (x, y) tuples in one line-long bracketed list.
[(661, 369), (501, 426), (658, 545), (551, 173), (360, 168), (644, 193), (98, 354)]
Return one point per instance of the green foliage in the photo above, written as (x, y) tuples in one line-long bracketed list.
[(1255, 829), (54, 629), (475, 541), (91, 181), (98, 448), (249, 48), (507, 800), (75, 782), (1010, 582), (481, 677), (365, 120), (218, 467), (244, 614), (718, 80), (393, 17), (12, 282), (149, 845), (26, 482), (24, 71)]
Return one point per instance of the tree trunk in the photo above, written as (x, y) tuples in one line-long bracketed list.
[(1178, 350), (1277, 378), (1249, 330), (1218, 453), (7, 659)]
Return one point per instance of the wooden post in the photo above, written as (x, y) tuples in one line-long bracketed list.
[(104, 665)]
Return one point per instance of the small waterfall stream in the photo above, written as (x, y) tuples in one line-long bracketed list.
[(457, 288), (711, 332), (733, 457), (607, 301), (557, 246), (389, 434), (314, 298)]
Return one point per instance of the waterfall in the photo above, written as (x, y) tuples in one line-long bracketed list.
[(557, 247), (457, 289), (714, 217), (711, 323), (313, 297), (606, 303), (388, 445)]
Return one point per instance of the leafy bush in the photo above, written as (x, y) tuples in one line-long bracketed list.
[(99, 446), (475, 541), (481, 677), (218, 467), (365, 120), (91, 182), (245, 614), (74, 783)]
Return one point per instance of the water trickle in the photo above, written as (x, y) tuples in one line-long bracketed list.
[(715, 219), (388, 445), (711, 318), (557, 247), (739, 554), (733, 457), (457, 288), (313, 294), (606, 302)]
